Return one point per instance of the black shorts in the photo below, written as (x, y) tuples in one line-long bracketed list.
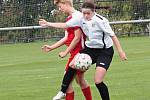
[(102, 57)]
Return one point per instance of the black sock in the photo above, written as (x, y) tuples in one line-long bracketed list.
[(103, 90), (69, 75)]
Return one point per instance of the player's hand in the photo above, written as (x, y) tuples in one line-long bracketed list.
[(122, 55), (43, 23), (62, 54), (46, 48)]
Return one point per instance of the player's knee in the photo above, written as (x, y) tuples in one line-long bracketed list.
[(97, 81), (99, 75)]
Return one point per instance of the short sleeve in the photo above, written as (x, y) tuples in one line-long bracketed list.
[(105, 26), (73, 22)]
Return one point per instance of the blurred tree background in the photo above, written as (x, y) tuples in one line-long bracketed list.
[(18, 13), (27, 12)]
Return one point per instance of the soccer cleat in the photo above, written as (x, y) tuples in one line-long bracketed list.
[(60, 95)]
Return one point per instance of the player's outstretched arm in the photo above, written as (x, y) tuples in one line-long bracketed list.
[(44, 23), (119, 48)]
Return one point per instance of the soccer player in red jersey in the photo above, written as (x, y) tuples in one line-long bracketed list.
[(74, 40)]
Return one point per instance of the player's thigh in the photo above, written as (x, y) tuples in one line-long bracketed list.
[(104, 58), (99, 74), (102, 64), (79, 75)]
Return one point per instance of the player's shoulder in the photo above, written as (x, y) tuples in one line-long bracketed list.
[(100, 18), (77, 14)]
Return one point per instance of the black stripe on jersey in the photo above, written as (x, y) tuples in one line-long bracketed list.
[(99, 17), (103, 39)]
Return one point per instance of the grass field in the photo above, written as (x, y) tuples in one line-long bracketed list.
[(26, 73)]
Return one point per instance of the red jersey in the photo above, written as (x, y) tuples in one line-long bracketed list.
[(71, 36), (79, 45)]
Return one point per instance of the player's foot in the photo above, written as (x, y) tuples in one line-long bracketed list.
[(60, 95)]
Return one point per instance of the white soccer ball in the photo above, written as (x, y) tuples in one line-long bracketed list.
[(82, 61)]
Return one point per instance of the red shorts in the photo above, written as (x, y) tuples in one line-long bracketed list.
[(67, 65)]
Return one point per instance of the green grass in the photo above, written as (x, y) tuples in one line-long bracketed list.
[(26, 73)]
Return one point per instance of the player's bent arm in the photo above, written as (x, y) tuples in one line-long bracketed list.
[(78, 33), (59, 43), (119, 48)]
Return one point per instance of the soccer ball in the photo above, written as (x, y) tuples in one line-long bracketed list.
[(82, 61)]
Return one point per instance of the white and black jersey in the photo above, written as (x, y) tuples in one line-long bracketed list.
[(97, 30)]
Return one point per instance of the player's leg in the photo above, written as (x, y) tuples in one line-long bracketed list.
[(84, 85), (69, 75), (70, 93), (102, 88), (102, 64), (67, 79)]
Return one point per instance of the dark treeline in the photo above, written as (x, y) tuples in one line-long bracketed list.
[(27, 12)]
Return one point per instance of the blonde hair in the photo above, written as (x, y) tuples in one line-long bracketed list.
[(70, 2)]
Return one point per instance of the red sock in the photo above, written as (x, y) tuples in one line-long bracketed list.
[(70, 96), (87, 93)]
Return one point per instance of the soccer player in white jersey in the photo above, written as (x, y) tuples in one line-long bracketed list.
[(99, 44)]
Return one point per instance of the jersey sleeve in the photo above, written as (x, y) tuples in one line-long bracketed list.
[(74, 22), (105, 26)]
